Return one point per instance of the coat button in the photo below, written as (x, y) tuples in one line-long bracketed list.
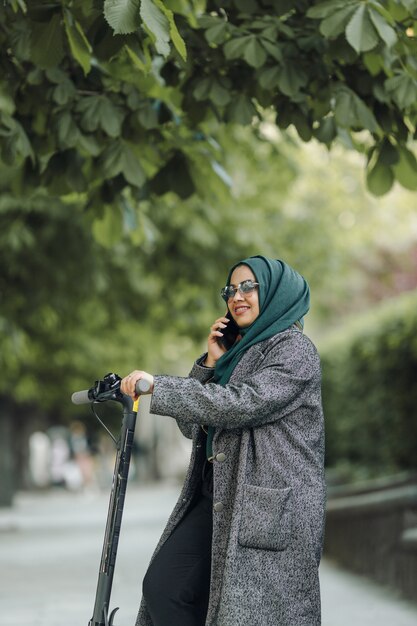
[(220, 457), (218, 507)]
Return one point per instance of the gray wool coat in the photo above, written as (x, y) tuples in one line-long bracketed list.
[(269, 490)]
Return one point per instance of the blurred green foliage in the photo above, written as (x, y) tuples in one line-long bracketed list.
[(74, 306), (370, 391)]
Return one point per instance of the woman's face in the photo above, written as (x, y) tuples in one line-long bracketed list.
[(244, 308)]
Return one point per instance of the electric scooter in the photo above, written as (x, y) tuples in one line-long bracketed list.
[(103, 391)]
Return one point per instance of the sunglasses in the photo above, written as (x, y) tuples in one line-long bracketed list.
[(244, 288)]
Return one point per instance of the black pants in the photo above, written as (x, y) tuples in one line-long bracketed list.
[(176, 585)]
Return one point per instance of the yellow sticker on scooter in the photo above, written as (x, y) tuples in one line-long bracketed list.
[(136, 406)]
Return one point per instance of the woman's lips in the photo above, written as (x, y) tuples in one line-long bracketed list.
[(240, 310)]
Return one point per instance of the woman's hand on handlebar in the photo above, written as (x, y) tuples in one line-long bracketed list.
[(128, 383)]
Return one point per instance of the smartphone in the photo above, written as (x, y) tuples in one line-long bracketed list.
[(229, 333)]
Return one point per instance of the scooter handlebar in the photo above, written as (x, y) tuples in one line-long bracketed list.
[(81, 397), (142, 386), (86, 396)]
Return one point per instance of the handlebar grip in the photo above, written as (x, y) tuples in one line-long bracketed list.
[(81, 397), (142, 386)]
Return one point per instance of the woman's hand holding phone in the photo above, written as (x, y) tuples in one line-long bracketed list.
[(215, 348), (222, 336)]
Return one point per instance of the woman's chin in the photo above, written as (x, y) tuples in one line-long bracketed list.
[(243, 323)]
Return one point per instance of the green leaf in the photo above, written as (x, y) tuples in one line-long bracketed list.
[(403, 89), (282, 6), (89, 107), (35, 76), (398, 11), (327, 131), (174, 176), (140, 59), (108, 229), (176, 38), (89, 145), (47, 48), (270, 33), (148, 116), (360, 31), (78, 42), (247, 6), (379, 179), (202, 89), (64, 92), (373, 62), (207, 21), (385, 31), (217, 33), (120, 158), (178, 41), (351, 111), (291, 79), (364, 115), (111, 159), (302, 126), (269, 77), (335, 24), (56, 75), (388, 154), (100, 112), (157, 23), (344, 114), (235, 48), (111, 117), (67, 131), (7, 104), (272, 48), (411, 5), (18, 4), (406, 169), (387, 15), (218, 94), (14, 143), (324, 9), (255, 54), (241, 110), (381, 95), (132, 169), (122, 15)]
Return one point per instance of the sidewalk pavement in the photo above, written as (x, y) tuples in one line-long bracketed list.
[(50, 549)]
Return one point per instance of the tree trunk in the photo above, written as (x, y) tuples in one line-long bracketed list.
[(7, 461)]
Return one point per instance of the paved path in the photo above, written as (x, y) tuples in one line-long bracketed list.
[(50, 548)]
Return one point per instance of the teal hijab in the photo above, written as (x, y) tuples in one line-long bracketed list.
[(284, 299)]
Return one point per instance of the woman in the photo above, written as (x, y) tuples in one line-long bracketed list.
[(243, 544)]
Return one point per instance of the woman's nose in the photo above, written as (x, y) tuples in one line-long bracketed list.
[(238, 296)]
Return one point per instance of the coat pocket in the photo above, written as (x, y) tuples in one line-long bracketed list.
[(266, 521)]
